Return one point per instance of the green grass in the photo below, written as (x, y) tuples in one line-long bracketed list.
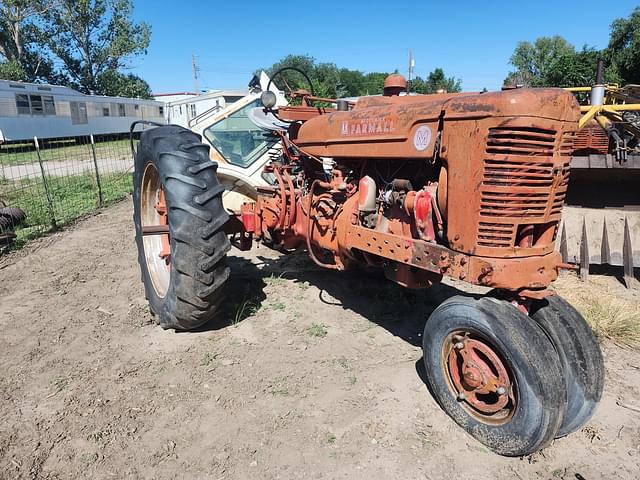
[(277, 305), (72, 197), (243, 310), (280, 391), (208, 358), (19, 154), (317, 330)]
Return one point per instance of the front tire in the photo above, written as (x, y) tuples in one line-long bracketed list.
[(495, 372), (580, 357), (184, 270)]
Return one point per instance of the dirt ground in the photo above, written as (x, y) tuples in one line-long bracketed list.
[(315, 374)]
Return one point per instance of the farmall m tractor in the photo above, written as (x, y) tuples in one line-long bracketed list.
[(465, 186)]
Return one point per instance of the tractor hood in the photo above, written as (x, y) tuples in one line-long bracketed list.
[(406, 127)]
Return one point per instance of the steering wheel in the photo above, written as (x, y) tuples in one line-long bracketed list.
[(291, 90)]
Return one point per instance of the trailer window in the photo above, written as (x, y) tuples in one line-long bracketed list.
[(161, 111), (49, 105), (78, 113), (22, 104), (36, 105), (105, 111), (238, 139), (121, 110)]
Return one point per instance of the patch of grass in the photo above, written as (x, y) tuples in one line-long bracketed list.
[(246, 309), (352, 380), (274, 280), (303, 285), (612, 315), (59, 384), (331, 438), (317, 330), (99, 436), (72, 197), (277, 305), (88, 458), (613, 319), (63, 149), (208, 358), (284, 391)]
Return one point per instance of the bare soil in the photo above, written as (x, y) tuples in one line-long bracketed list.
[(313, 374)]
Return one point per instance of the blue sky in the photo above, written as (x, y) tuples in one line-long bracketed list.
[(471, 40)]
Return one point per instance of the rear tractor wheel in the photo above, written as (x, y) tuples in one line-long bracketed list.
[(496, 373), (179, 220)]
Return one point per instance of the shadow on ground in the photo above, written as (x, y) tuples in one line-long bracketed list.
[(401, 311)]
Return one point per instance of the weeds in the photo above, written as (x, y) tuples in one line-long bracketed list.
[(280, 391), (317, 330), (88, 458), (99, 436), (72, 197), (59, 384), (208, 358), (610, 315), (246, 309), (274, 280), (331, 439), (277, 305)]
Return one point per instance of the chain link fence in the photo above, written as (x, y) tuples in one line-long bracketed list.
[(47, 183)]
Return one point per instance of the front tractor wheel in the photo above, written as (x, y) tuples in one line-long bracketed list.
[(179, 220), (495, 372)]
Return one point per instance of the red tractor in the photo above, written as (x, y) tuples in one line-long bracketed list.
[(465, 186)]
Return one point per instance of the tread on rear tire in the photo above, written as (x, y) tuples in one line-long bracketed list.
[(193, 293)]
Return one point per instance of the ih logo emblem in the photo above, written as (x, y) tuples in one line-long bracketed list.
[(422, 138)]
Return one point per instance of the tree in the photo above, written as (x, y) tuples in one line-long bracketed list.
[(333, 82), (23, 59), (533, 61), (436, 80), (93, 37), (324, 76), (623, 51), (116, 84)]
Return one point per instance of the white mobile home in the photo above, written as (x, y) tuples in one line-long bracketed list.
[(188, 109), (48, 111)]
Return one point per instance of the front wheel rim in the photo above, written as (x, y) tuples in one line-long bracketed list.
[(154, 223), (481, 381)]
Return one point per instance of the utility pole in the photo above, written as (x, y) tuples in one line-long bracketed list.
[(196, 72), (412, 64)]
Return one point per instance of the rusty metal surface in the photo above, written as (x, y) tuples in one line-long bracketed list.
[(511, 274), (485, 210), (479, 377)]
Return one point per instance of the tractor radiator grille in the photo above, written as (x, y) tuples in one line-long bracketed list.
[(519, 181)]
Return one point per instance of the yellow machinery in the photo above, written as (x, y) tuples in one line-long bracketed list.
[(601, 224)]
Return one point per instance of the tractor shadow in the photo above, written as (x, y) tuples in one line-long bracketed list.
[(401, 311)]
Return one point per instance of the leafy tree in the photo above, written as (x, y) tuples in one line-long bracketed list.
[(12, 70), (374, 83), (624, 47), (554, 62), (114, 83), (436, 80), (93, 37), (22, 56), (534, 61)]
